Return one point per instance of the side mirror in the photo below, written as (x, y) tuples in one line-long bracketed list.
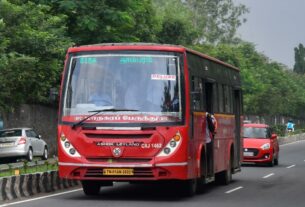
[(273, 136), (39, 136)]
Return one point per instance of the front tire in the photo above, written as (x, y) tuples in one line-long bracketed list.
[(272, 162), (91, 188), (29, 155), (276, 161), (45, 154), (189, 187)]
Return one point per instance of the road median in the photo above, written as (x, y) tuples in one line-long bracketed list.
[(27, 185), (291, 138)]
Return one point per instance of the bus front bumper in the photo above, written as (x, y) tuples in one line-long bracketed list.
[(123, 172)]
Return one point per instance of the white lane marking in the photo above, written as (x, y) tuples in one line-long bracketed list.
[(290, 166), (235, 189), (269, 175), (39, 198)]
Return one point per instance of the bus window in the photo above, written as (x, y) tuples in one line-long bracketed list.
[(215, 98), (197, 93), (220, 98), (227, 99)]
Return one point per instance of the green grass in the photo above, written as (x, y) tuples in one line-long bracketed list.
[(28, 169)]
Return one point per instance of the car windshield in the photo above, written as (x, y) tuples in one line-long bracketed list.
[(146, 84), (10, 133), (251, 132)]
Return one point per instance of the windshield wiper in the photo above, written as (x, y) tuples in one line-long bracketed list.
[(97, 112)]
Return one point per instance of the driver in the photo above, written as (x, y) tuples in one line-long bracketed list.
[(98, 80)]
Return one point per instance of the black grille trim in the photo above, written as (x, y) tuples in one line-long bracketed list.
[(118, 136), (255, 151), (138, 172), (118, 160)]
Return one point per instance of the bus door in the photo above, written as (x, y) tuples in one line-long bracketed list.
[(237, 113), (208, 99)]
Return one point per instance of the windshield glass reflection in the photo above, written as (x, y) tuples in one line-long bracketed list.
[(149, 84), (250, 132)]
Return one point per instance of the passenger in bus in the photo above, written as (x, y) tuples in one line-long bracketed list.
[(135, 84), (211, 125), (97, 96), (98, 81)]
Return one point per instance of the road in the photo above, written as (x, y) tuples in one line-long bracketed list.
[(279, 186)]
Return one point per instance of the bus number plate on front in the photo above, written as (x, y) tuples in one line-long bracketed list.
[(117, 171)]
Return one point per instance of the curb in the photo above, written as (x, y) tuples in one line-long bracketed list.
[(31, 184), (291, 138)]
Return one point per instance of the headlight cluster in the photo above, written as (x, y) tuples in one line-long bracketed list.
[(171, 145), (265, 146), (67, 146)]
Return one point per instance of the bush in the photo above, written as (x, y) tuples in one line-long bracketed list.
[(279, 129)]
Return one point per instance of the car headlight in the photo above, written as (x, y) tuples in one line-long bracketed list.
[(265, 146)]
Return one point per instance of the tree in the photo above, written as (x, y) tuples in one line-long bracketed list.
[(199, 21), (217, 21), (299, 57), (175, 23), (32, 48), (102, 21)]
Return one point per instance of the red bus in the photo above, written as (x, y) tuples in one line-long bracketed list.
[(137, 112)]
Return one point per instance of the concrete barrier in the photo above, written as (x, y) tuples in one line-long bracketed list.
[(31, 184), (291, 138)]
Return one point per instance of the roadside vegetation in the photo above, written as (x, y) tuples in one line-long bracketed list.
[(21, 168), (35, 35)]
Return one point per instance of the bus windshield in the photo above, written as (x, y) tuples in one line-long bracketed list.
[(148, 85)]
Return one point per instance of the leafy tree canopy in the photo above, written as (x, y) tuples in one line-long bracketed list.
[(36, 33), (101, 21), (32, 45), (299, 56)]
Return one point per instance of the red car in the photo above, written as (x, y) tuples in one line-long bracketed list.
[(260, 144)]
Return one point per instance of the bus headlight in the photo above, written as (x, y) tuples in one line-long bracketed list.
[(67, 146), (171, 146)]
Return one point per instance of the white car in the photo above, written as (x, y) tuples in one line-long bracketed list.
[(22, 142)]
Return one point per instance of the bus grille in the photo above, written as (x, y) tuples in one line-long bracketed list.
[(118, 136), (138, 172), (120, 160)]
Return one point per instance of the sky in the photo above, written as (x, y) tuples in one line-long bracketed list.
[(276, 27)]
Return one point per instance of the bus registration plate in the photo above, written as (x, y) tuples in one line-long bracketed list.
[(117, 171)]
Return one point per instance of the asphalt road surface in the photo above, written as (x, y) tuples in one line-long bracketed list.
[(255, 186)]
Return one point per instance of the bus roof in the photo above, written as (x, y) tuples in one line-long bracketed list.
[(145, 46)]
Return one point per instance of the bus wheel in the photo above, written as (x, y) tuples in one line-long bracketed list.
[(225, 177), (189, 187), (201, 180), (91, 188)]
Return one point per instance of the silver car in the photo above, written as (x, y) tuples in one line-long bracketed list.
[(22, 142)]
